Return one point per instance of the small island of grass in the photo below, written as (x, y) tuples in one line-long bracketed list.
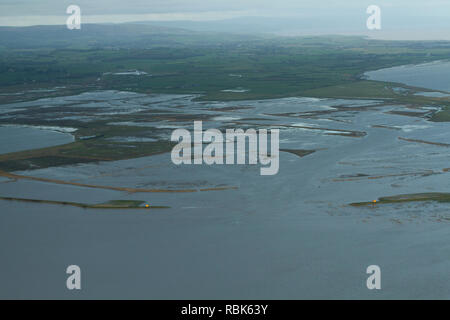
[(414, 197), (113, 204)]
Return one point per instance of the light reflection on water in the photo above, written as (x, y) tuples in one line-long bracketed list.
[(14, 139)]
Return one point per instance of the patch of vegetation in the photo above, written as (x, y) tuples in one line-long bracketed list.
[(117, 204), (114, 204), (446, 145), (190, 62), (80, 152), (443, 115), (434, 196)]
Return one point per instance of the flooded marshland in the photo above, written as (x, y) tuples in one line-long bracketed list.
[(237, 234)]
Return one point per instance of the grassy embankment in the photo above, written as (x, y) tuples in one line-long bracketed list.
[(124, 189), (113, 204), (435, 196)]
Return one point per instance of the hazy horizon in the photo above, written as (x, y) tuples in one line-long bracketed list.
[(407, 20)]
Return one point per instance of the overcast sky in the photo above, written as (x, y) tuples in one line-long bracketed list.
[(404, 18)]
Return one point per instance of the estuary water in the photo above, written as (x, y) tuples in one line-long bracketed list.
[(434, 75), (288, 236), (17, 138)]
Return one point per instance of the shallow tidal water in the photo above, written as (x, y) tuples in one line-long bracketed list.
[(434, 75), (286, 236), (13, 139)]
